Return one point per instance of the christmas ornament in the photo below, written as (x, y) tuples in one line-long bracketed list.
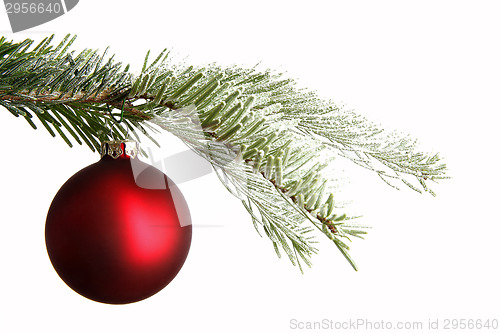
[(119, 230)]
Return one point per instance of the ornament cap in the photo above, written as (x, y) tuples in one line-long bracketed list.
[(120, 148)]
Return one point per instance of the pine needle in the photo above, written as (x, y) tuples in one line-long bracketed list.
[(265, 136)]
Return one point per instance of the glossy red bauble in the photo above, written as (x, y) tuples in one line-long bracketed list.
[(119, 230)]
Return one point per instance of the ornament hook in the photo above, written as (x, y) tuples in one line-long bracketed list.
[(118, 121)]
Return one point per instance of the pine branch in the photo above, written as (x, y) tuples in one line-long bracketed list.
[(269, 141)]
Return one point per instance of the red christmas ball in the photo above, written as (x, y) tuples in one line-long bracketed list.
[(119, 230)]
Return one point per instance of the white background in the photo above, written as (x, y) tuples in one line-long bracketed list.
[(427, 68)]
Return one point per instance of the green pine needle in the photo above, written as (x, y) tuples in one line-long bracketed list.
[(266, 138)]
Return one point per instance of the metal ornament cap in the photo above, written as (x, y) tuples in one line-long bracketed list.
[(117, 148)]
